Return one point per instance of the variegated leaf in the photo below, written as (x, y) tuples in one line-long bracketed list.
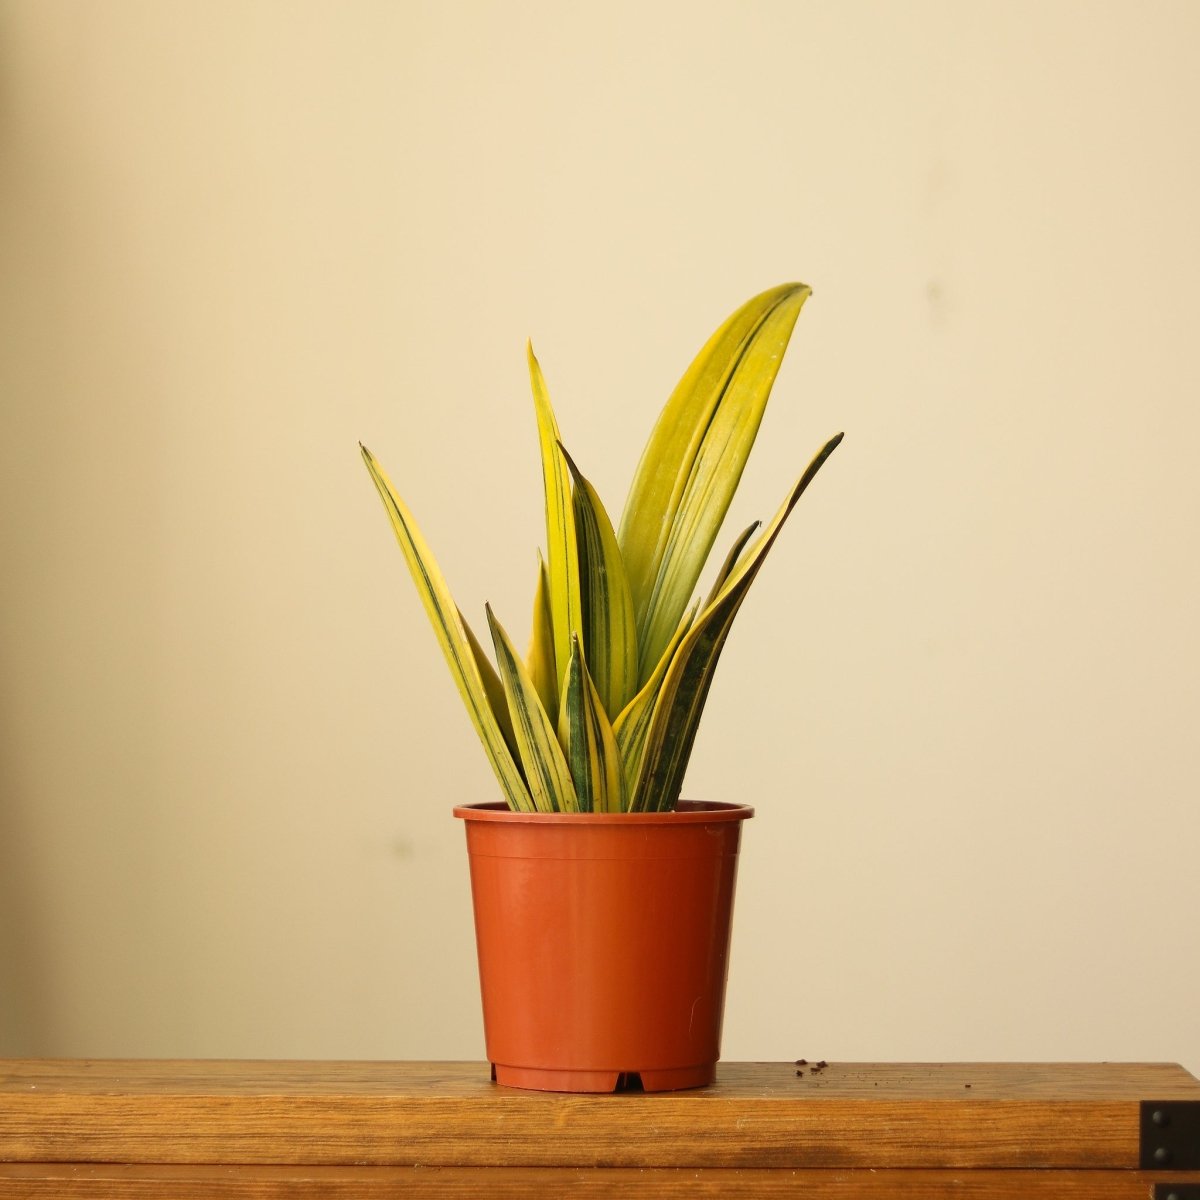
[(453, 637), (546, 768), (493, 689), (540, 658), (731, 561), (694, 460), (566, 603), (633, 724), (587, 738), (685, 687), (609, 630)]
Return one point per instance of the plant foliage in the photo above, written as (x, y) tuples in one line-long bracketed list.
[(601, 714)]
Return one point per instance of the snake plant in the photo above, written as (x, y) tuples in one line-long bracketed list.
[(601, 713)]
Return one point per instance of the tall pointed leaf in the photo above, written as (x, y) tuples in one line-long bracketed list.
[(566, 604), (730, 562), (633, 725), (452, 636), (493, 689), (540, 659), (694, 460), (685, 687), (609, 630), (546, 768), (587, 737)]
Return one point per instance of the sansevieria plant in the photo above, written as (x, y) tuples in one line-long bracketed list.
[(601, 714)]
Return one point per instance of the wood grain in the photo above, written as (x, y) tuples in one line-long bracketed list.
[(35, 1181), (758, 1116)]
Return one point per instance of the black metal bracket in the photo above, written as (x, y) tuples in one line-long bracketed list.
[(1170, 1136), (1175, 1191)]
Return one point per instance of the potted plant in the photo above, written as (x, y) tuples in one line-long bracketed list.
[(602, 901)]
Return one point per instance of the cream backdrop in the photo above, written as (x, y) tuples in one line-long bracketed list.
[(239, 237)]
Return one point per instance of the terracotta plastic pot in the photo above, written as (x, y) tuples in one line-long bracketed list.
[(603, 943)]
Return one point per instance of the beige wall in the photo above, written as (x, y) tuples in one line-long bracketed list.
[(238, 237)]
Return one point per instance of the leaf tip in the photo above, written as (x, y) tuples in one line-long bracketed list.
[(830, 446), (575, 474)]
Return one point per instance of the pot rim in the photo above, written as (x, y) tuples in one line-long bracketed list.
[(689, 812)]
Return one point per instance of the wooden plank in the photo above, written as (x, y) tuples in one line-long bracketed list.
[(759, 1115), (469, 1080), (93, 1182)]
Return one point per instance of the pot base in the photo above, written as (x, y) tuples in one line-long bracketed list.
[(672, 1080)]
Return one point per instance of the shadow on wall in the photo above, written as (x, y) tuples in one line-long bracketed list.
[(60, 399), (25, 1000), (24, 981)]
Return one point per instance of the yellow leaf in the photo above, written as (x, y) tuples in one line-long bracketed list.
[(452, 636), (633, 724), (566, 604), (610, 633), (587, 737), (685, 686), (540, 658), (694, 460), (546, 769), (492, 687), (731, 561)]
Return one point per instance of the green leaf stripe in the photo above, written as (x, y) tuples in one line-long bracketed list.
[(632, 727), (610, 632), (546, 769), (588, 740), (493, 688), (731, 561)]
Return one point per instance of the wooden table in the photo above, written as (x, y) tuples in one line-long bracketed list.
[(82, 1128)]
